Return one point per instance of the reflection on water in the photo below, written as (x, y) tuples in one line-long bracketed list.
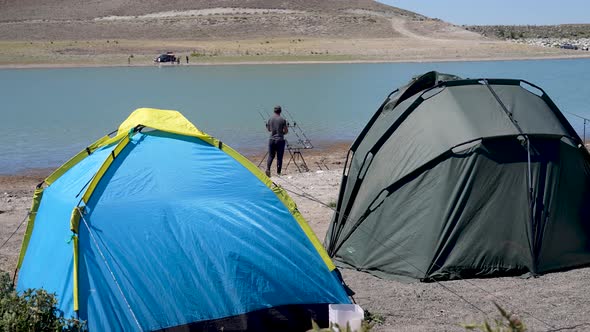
[(48, 115)]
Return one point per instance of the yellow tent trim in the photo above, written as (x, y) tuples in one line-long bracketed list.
[(172, 122), (75, 220), (75, 288), (75, 160), (48, 181), (164, 120), (74, 225), (175, 123), (30, 224), (103, 169), (282, 195)]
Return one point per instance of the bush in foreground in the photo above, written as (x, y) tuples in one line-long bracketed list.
[(507, 323), (33, 310)]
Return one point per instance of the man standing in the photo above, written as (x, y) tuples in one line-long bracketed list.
[(277, 126)]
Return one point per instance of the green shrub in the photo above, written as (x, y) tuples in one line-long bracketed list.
[(374, 318), (507, 323), (196, 54), (365, 327), (33, 310)]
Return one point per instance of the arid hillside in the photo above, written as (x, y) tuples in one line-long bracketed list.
[(18, 10), (133, 32), (203, 20)]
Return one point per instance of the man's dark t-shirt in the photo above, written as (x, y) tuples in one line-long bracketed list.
[(276, 125)]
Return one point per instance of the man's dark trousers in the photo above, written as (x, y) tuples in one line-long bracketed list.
[(275, 147)]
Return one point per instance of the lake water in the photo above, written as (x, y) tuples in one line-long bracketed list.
[(48, 115)]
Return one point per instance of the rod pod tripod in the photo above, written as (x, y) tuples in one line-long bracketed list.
[(294, 150)]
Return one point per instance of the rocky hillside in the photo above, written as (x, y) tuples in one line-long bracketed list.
[(532, 31), (206, 20), (564, 36), (18, 10)]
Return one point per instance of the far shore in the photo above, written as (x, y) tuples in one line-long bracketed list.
[(20, 54), (243, 61)]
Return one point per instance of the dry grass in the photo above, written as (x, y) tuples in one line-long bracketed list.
[(57, 34), (263, 50)]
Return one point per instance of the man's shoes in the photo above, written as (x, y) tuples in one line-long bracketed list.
[(267, 173)]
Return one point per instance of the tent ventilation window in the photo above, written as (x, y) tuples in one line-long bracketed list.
[(378, 201), (366, 164), (348, 162), (390, 106), (391, 101), (531, 88), (570, 141), (432, 92), (465, 146)]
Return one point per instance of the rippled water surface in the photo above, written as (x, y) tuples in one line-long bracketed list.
[(48, 115)]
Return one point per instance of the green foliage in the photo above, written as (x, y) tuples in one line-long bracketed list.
[(507, 323), (196, 54), (365, 327), (533, 31), (33, 310), (374, 318), (332, 204)]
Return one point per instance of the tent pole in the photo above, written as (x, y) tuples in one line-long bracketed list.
[(531, 203), (529, 171), (584, 132)]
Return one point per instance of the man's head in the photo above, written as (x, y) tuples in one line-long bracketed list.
[(278, 109)]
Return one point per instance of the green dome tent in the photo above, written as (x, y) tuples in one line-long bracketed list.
[(462, 178)]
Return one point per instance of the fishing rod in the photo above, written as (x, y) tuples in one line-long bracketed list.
[(264, 119), (294, 150), (584, 119), (302, 138), (307, 140)]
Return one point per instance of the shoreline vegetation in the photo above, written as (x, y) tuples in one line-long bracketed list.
[(136, 53), (69, 34)]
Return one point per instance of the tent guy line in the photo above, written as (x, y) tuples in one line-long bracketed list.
[(16, 230), (552, 328), (10, 237), (310, 197), (81, 213), (314, 199)]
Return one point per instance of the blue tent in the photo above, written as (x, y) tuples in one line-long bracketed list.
[(163, 227)]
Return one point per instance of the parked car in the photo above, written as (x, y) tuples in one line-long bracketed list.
[(569, 46), (168, 57)]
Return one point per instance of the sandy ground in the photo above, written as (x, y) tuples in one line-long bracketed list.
[(553, 302), (53, 36), (97, 53), (253, 38)]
